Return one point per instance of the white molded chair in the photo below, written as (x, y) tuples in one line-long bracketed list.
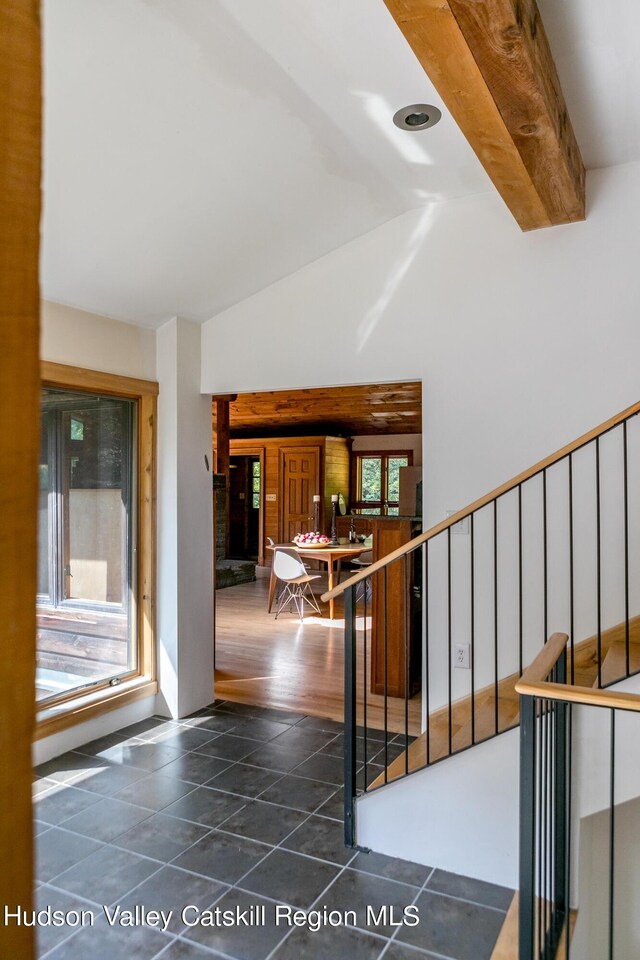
[(291, 571)]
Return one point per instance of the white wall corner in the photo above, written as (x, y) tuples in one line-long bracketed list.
[(185, 538)]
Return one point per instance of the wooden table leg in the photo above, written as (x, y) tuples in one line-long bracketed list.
[(272, 588), (330, 584)]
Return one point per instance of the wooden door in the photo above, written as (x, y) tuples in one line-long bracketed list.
[(300, 481)]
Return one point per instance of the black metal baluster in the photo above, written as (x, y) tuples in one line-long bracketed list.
[(569, 786), (425, 558), (598, 568), (545, 558), (407, 588), (540, 817), (495, 616), (386, 666), (551, 895), (612, 825), (546, 815), (528, 768), (365, 678), (449, 643), (560, 799), (349, 715), (473, 637), (520, 619), (626, 547), (571, 573)]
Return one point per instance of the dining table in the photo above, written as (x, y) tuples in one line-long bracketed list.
[(333, 555)]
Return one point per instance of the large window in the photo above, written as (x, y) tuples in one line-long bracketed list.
[(95, 541), (377, 481), (86, 541)]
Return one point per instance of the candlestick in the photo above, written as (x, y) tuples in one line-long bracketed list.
[(334, 530)]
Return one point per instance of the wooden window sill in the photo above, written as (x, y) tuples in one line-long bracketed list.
[(61, 716)]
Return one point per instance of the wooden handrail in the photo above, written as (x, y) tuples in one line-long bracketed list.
[(533, 682), (483, 501), (541, 667)]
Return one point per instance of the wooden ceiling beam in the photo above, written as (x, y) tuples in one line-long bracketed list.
[(491, 63)]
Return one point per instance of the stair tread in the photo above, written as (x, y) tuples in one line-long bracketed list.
[(614, 665)]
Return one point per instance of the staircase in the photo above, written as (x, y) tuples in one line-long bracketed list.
[(558, 547), (585, 658)]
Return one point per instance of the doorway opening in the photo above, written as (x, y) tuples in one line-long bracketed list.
[(245, 478), (342, 462)]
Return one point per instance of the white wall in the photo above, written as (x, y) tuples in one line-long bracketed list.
[(522, 341), (185, 523), (459, 815), (84, 339), (591, 937), (392, 441)]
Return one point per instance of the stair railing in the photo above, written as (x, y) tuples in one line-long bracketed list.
[(481, 587), (546, 917)]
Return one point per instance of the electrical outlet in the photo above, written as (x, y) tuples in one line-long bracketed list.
[(461, 655)]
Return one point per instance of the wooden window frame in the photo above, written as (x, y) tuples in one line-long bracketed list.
[(85, 704), (356, 478)]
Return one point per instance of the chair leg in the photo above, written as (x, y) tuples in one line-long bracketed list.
[(309, 596), (285, 599)]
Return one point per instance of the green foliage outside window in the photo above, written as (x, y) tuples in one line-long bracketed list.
[(379, 478), (255, 485)]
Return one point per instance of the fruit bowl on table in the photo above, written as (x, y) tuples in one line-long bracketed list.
[(315, 543)]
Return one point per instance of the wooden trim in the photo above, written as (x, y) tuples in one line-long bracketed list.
[(147, 498), (356, 478), (507, 944), (491, 63), (93, 705), (95, 381), (540, 668), (20, 174), (68, 708), (487, 499), (533, 682), (259, 452), (588, 696)]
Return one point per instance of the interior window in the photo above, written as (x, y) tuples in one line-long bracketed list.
[(378, 481)]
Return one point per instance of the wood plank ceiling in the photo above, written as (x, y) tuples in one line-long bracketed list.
[(335, 411), (491, 63)]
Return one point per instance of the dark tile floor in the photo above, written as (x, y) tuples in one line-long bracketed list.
[(237, 808)]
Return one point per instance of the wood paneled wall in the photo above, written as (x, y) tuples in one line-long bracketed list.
[(337, 458), (20, 155), (334, 476)]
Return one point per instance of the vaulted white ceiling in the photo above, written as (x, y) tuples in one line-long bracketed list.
[(198, 150)]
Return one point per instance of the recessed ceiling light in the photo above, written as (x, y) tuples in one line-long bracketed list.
[(417, 116)]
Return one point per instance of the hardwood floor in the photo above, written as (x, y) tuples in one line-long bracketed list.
[(290, 664), (298, 666)]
